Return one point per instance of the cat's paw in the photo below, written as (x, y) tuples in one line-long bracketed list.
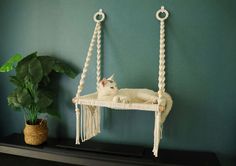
[(116, 99), (124, 100), (120, 99)]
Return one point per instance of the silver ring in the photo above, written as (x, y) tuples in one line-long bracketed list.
[(162, 10), (99, 13)]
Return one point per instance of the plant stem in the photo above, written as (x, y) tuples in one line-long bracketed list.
[(31, 115)]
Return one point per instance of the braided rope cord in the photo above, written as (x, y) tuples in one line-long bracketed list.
[(98, 53), (87, 61), (161, 81), (96, 34), (161, 78)]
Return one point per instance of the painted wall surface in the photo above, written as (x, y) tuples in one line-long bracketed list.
[(201, 65)]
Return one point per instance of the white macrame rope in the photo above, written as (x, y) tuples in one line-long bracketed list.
[(88, 119), (157, 133), (98, 53), (161, 78), (81, 86), (77, 127), (80, 130), (96, 34), (161, 81), (87, 61)]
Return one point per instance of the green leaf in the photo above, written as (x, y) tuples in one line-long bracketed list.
[(30, 69), (12, 100), (19, 98), (28, 58), (44, 100), (63, 68), (23, 97), (9, 65), (47, 63)]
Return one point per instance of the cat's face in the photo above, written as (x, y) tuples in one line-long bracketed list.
[(107, 87)]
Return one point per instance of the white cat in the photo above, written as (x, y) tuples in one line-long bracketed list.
[(108, 90)]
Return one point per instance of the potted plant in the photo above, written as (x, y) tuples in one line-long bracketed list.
[(32, 93)]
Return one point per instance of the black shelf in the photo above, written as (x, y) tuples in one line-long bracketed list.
[(95, 153)]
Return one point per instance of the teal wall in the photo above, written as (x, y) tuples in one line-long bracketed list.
[(201, 65)]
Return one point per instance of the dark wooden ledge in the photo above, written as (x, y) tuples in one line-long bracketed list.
[(102, 154)]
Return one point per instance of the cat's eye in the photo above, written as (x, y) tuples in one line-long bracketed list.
[(112, 87), (110, 81)]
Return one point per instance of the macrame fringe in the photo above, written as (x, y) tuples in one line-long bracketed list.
[(87, 122)]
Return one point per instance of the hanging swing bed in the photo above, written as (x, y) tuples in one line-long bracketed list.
[(88, 116)]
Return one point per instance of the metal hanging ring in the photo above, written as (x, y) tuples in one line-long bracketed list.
[(96, 15), (162, 10)]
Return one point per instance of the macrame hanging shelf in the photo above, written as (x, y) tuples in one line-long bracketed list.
[(88, 116)]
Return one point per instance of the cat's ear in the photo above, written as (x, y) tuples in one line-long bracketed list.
[(103, 82), (111, 77)]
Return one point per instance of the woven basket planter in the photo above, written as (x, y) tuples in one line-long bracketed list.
[(36, 134)]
